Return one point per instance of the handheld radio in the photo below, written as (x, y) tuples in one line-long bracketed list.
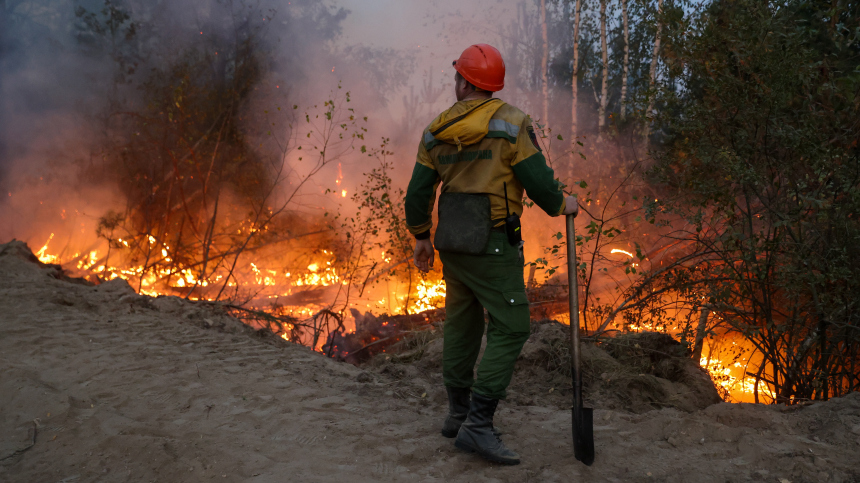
[(512, 223)]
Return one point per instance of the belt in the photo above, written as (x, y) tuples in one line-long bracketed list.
[(500, 228)]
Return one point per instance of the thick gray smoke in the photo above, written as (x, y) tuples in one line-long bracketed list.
[(67, 68), (71, 71)]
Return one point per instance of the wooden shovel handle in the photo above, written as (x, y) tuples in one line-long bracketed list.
[(573, 300)]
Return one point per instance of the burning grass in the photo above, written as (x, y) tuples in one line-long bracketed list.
[(292, 304)]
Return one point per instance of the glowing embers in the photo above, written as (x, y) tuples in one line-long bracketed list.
[(319, 274), (187, 279), (739, 388), (267, 278), (89, 260), (732, 363), (295, 292), (296, 286), (45, 257), (618, 250), (161, 276), (429, 296)]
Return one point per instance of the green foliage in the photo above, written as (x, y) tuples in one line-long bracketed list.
[(762, 165), (379, 226), (597, 233)]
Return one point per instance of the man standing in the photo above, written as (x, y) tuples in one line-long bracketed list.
[(485, 154)]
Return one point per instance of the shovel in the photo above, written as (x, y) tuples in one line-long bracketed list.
[(583, 418)]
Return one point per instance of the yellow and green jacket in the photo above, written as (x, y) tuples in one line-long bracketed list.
[(475, 147)]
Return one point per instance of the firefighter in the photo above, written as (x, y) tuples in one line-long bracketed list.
[(485, 153)]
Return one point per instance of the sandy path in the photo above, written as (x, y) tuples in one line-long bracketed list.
[(124, 388)]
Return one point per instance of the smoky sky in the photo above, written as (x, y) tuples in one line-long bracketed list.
[(59, 77)]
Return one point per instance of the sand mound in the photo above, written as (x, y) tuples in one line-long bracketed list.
[(100, 384), (634, 372)]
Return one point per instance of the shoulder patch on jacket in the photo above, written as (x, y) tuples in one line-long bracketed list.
[(533, 137)]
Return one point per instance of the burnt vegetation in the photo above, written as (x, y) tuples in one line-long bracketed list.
[(211, 167)]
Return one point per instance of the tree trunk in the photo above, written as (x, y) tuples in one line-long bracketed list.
[(565, 15), (574, 80), (604, 85), (544, 65), (700, 335), (652, 77), (626, 66)]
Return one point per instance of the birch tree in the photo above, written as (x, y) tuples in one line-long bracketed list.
[(652, 73), (626, 62), (574, 81), (604, 85), (544, 65)]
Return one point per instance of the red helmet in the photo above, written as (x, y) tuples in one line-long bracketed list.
[(482, 65)]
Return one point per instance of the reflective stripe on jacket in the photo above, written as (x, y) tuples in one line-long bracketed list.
[(475, 147)]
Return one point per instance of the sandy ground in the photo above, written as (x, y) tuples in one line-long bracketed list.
[(119, 387)]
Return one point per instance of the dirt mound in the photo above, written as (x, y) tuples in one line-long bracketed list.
[(650, 371), (633, 372), (111, 298), (20, 251), (101, 384)]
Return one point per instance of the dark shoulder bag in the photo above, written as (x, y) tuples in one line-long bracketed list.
[(464, 223)]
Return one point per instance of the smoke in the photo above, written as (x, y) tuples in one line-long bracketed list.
[(72, 71), (69, 71), (68, 68), (46, 91)]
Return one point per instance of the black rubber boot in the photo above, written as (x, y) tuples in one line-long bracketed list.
[(477, 435), (458, 409)]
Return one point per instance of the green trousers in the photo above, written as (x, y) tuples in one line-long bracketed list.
[(493, 281)]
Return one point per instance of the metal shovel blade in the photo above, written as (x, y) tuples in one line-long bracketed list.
[(583, 436), (582, 418)]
